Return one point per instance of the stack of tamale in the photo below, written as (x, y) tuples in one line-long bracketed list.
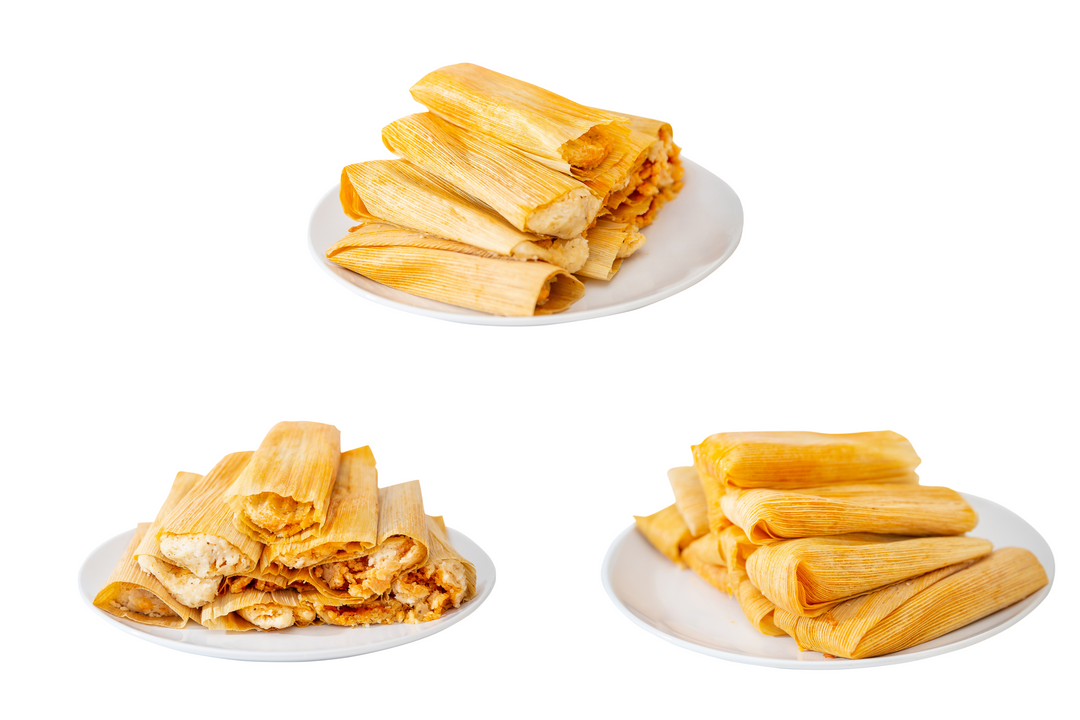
[(505, 194), (832, 540), (294, 533)]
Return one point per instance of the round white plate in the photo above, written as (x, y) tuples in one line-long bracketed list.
[(683, 609), (316, 642), (692, 236)]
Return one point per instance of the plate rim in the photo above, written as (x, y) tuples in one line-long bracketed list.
[(556, 318), (425, 629), (836, 663)]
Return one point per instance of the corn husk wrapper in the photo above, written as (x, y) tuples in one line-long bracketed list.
[(701, 557), (735, 547), (757, 608), (405, 195), (609, 242), (455, 273), (530, 196), (771, 515), (811, 575), (666, 531), (690, 499), (402, 524), (555, 131), (127, 577), (352, 519), (285, 490), (714, 494), (443, 582), (225, 613), (182, 484), (921, 609), (788, 460), (204, 511)]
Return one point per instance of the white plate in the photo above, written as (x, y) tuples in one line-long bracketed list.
[(683, 609), (692, 236), (317, 642)]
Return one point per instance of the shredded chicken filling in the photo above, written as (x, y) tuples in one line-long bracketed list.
[(378, 611), (371, 574), (432, 589), (587, 151), (277, 515)]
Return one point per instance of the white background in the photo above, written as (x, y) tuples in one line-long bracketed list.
[(909, 262)]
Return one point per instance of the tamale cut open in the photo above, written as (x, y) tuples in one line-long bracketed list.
[(569, 137), (285, 490)]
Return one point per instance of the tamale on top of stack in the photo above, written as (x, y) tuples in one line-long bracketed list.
[(569, 137), (377, 557), (285, 490), (352, 519), (829, 539)]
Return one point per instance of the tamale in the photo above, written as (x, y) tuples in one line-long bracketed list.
[(666, 531), (609, 242), (134, 595), (756, 607), (285, 490), (805, 459), (530, 196), (199, 534), (563, 134), (810, 575), (769, 515), (352, 519), (185, 587), (921, 609), (454, 272), (444, 581), (400, 193), (402, 546), (690, 499), (257, 610), (701, 557)]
